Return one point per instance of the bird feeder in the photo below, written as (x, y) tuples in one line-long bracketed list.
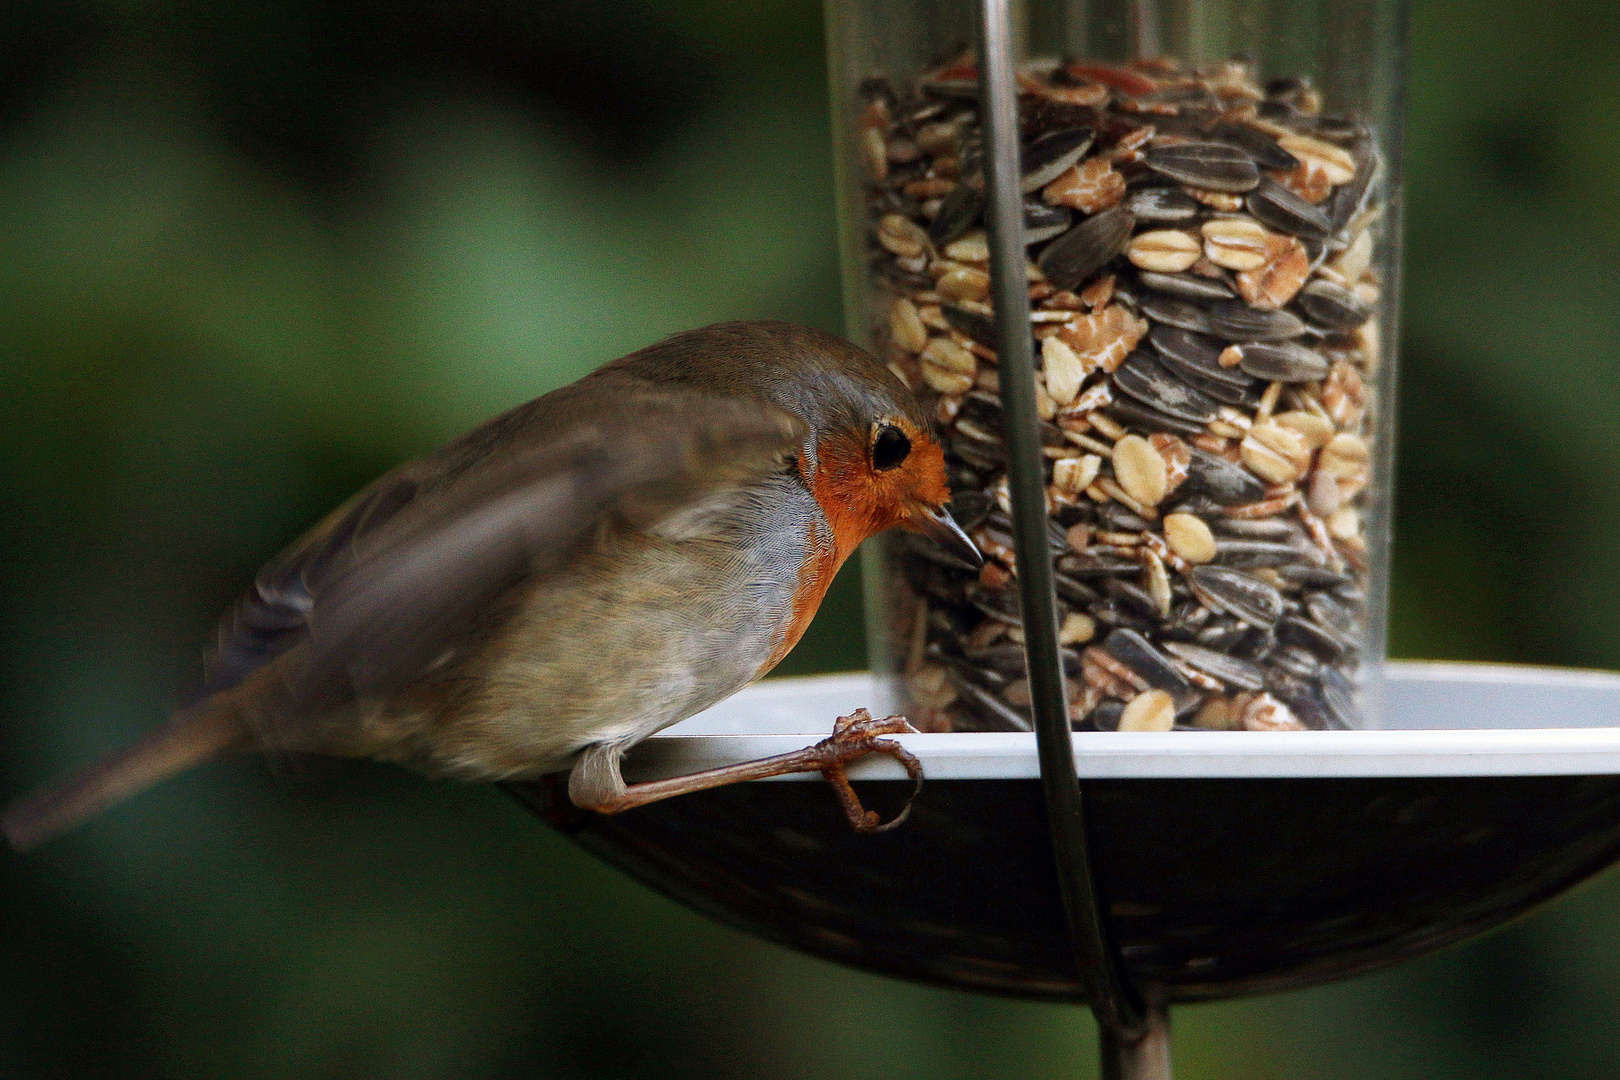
[(1164, 760)]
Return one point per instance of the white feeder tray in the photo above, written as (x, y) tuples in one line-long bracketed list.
[(1228, 862)]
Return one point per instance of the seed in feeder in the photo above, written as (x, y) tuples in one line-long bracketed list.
[(1270, 286), (902, 237), (1276, 454), (906, 327), (1189, 537), (938, 139), (1073, 475), (972, 248), (1308, 180), (1140, 470), (947, 367), (1316, 430), (1235, 243), (1157, 581), (1045, 407), (1224, 201), (963, 283), (1324, 497), (1104, 338), (1077, 629), (1204, 164), (875, 154), (930, 687), (1165, 251), (1334, 162), (1177, 458), (1064, 370), (1262, 712), (1356, 258), (1273, 361), (1151, 710), (1344, 457), (1216, 715), (946, 382), (1088, 187), (947, 354)]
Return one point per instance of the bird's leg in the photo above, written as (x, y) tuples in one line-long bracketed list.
[(597, 784)]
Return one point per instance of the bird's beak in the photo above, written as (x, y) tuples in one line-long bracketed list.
[(936, 523)]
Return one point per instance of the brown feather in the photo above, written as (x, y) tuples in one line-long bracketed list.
[(588, 567), (188, 739)]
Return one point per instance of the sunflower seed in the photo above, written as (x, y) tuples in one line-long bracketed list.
[(1276, 206), (1151, 383), (1043, 221), (1238, 594), (1330, 613), (1351, 199), (1292, 660), (1084, 249), (1237, 321), (1333, 305), (1176, 312), (1252, 554), (1256, 143), (1216, 166), (1188, 286), (995, 714), (1186, 352), (1045, 157), (981, 328), (1339, 695), (1221, 480), (1228, 669), (1137, 415), (1106, 717), (958, 213), (1135, 652), (1325, 643), (1163, 206), (1286, 361)]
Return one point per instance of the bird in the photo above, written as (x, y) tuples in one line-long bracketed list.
[(556, 585)]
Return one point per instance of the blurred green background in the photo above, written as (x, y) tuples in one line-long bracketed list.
[(253, 253)]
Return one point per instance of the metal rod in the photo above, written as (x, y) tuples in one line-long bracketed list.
[(1145, 1057), (1095, 960)]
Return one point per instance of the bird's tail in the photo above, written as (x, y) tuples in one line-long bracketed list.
[(190, 737)]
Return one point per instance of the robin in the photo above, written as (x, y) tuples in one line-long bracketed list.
[(560, 583)]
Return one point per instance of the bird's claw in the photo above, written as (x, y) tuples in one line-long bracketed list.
[(854, 736)]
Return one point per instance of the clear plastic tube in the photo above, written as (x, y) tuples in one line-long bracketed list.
[(1213, 211)]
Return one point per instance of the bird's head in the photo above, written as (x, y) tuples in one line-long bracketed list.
[(871, 459)]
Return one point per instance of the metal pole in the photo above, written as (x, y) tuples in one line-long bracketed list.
[(1117, 1012), (1145, 1057)]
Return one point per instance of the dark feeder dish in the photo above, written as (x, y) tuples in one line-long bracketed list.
[(1228, 863), (1127, 870)]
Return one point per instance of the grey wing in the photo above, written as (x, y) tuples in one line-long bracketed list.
[(401, 575)]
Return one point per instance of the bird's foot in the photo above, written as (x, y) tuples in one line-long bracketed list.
[(854, 736), (597, 784)]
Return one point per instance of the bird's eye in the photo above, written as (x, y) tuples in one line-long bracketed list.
[(889, 448)]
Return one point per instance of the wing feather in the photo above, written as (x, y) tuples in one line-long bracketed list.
[(400, 575)]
